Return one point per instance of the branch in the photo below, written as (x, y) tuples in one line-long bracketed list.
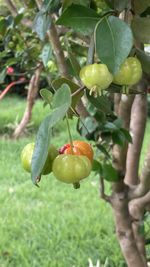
[(12, 8), (32, 92), (124, 231), (119, 153), (57, 48), (138, 206), (137, 130), (144, 186), (102, 191), (117, 98)]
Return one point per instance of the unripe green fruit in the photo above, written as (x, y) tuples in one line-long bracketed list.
[(130, 72), (11, 44), (96, 75), (71, 168), (26, 158)]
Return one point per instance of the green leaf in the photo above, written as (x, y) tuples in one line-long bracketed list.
[(50, 5), (110, 126), (3, 26), (2, 75), (141, 29), (140, 6), (114, 40), (41, 149), (44, 133), (118, 122), (46, 95), (118, 138), (18, 19), (117, 4), (46, 53), (74, 63), (91, 124), (67, 3), (73, 87), (58, 82), (79, 18), (127, 135), (101, 103), (96, 166), (61, 96), (144, 59), (103, 150), (109, 173), (41, 24)]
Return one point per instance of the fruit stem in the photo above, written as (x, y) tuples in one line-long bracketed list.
[(76, 185), (69, 132)]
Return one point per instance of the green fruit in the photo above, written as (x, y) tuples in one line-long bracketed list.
[(130, 72), (96, 75), (26, 158), (14, 38), (71, 168), (11, 44)]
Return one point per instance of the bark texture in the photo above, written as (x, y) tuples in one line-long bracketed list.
[(32, 93), (137, 130)]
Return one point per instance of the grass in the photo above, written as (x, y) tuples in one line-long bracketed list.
[(54, 225)]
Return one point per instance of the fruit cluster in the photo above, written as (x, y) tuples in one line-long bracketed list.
[(96, 77), (71, 164)]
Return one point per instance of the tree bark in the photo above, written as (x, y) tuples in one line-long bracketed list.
[(124, 231), (32, 93), (137, 130)]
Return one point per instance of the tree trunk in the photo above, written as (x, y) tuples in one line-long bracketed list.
[(32, 93), (124, 231)]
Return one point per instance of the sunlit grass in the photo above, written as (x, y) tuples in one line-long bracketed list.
[(54, 225)]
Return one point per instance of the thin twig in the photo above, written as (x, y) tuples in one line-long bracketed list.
[(102, 191)]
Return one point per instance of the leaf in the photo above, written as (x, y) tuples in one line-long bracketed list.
[(46, 53), (140, 6), (41, 24), (103, 150), (67, 3), (2, 75), (18, 19), (96, 166), (73, 87), (11, 61), (144, 59), (3, 27), (61, 97), (58, 82), (101, 103), (114, 40), (127, 135), (79, 18), (91, 124), (110, 126), (46, 95), (141, 29), (41, 149), (109, 173), (117, 4), (118, 138), (50, 5), (74, 63), (44, 134), (118, 122)]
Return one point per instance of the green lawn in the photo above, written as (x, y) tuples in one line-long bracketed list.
[(54, 225)]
